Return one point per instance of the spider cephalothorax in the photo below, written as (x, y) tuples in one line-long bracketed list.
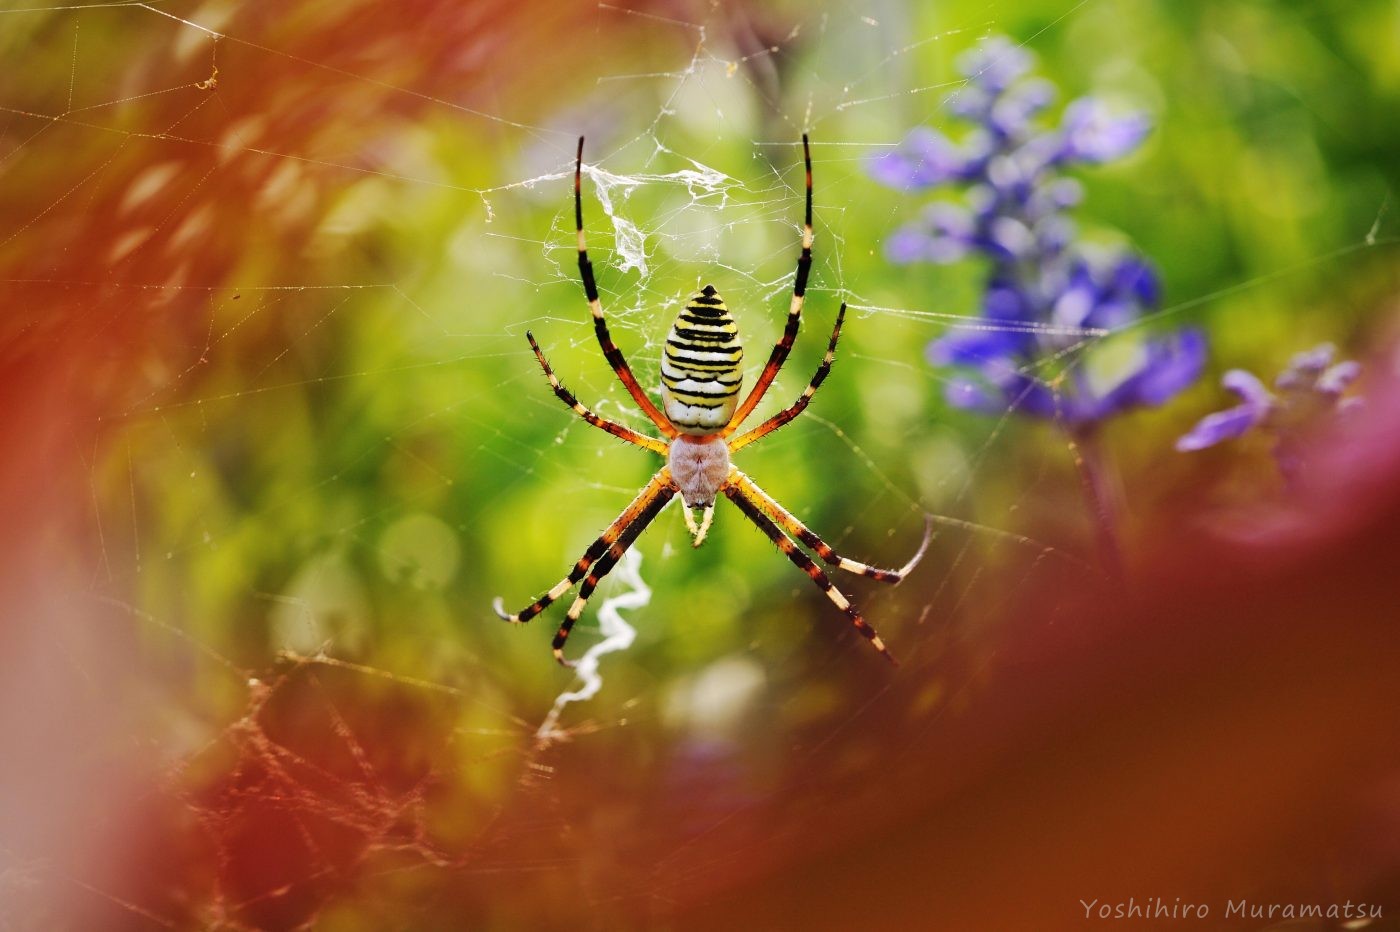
[(700, 378)]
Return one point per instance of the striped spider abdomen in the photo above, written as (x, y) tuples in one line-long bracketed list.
[(700, 362)]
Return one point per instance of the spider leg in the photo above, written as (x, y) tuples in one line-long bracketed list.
[(747, 489), (804, 563), (566, 396), (600, 325), (660, 486), (798, 406), (799, 291), (605, 565)]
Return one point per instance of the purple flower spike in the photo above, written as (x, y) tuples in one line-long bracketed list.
[(1046, 293)]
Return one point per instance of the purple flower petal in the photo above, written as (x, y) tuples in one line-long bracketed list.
[(944, 233), (978, 347), (1247, 385), (1065, 192), (969, 103), (978, 147), (1049, 198), (1054, 235), (1037, 399), (907, 244), (1074, 305), (1004, 307), (1005, 300), (1010, 237), (1001, 388), (1305, 367), (1010, 177), (1112, 312), (995, 63), (1336, 379), (1124, 284), (972, 396), (1174, 366), (984, 202), (1013, 111), (1313, 360), (1135, 276), (1168, 366), (1039, 154), (1349, 406), (1218, 427), (1092, 134), (925, 159)]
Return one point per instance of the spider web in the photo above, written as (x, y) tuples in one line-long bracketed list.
[(268, 280)]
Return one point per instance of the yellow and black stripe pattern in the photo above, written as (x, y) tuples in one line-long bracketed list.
[(700, 372)]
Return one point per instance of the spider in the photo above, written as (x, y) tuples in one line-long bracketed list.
[(700, 377)]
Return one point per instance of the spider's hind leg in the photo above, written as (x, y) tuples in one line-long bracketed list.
[(606, 562), (749, 490), (805, 563), (621, 532)]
